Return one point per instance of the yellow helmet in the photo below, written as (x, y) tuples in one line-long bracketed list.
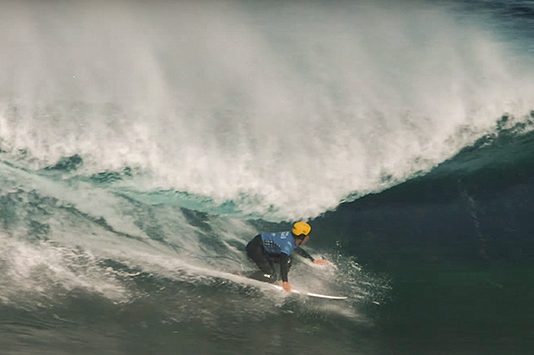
[(300, 228)]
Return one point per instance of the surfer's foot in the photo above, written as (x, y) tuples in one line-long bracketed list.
[(270, 277), (261, 276)]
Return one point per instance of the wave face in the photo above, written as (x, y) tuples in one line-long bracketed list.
[(473, 208), (142, 146), (457, 244), (113, 269), (282, 110)]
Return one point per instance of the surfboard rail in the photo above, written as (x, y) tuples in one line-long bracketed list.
[(311, 294)]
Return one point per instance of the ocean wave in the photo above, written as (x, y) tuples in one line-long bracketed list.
[(285, 122)]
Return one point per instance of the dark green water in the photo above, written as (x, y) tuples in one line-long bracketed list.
[(458, 247), (111, 238)]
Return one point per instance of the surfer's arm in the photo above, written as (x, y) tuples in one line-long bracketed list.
[(284, 266), (304, 254), (284, 269)]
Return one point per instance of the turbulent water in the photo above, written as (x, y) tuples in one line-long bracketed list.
[(143, 144)]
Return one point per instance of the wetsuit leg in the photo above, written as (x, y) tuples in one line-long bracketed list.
[(289, 263), (256, 252)]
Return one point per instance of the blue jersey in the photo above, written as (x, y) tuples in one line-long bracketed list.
[(278, 243)]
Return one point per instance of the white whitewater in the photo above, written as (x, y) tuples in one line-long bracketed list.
[(284, 109)]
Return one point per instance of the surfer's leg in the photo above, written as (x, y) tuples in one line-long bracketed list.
[(256, 252), (272, 271), (254, 247)]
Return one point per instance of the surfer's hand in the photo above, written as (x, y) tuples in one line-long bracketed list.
[(286, 286), (321, 261)]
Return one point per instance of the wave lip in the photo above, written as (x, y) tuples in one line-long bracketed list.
[(263, 107)]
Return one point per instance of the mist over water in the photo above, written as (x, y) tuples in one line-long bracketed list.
[(143, 144), (285, 109)]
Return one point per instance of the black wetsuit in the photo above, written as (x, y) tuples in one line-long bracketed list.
[(265, 261)]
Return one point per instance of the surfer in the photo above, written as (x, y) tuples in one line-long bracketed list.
[(268, 248)]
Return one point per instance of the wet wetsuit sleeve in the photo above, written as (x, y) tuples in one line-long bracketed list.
[(304, 254), (284, 266)]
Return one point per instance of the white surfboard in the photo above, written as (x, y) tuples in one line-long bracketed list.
[(263, 281), (310, 294)]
